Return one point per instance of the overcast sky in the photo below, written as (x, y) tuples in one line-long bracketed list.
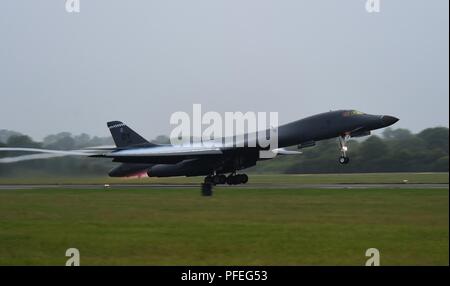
[(139, 61)]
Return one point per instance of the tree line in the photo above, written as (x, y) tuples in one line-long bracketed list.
[(395, 150)]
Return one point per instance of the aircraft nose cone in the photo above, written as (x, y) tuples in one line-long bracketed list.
[(389, 120)]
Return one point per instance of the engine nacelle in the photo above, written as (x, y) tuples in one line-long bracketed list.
[(165, 170), (194, 167), (129, 170)]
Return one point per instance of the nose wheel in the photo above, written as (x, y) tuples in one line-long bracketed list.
[(344, 159)]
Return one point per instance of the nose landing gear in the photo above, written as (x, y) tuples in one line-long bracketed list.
[(344, 159)]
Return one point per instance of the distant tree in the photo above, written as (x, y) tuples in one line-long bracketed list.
[(373, 148), (5, 134), (1, 155), (52, 139), (100, 141), (161, 139), (22, 141), (441, 165), (397, 134), (435, 137), (82, 140), (64, 143)]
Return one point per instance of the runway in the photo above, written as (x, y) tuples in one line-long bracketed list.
[(247, 186)]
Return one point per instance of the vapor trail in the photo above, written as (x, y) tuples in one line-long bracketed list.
[(29, 157), (43, 154)]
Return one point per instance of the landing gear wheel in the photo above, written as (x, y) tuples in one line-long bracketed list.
[(244, 179), (222, 179), (207, 189), (344, 160), (237, 179), (208, 180), (218, 179), (230, 180)]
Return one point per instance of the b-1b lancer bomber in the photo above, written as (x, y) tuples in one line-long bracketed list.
[(138, 155)]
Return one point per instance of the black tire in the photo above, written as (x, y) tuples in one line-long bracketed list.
[(235, 179), (208, 180), (244, 178), (343, 160), (222, 179), (347, 160), (219, 179), (206, 190)]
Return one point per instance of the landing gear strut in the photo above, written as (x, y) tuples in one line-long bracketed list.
[(343, 148)]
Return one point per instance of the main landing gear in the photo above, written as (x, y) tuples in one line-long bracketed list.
[(343, 148), (236, 179), (232, 179), (207, 189), (212, 180)]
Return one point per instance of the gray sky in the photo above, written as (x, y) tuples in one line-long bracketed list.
[(139, 61)]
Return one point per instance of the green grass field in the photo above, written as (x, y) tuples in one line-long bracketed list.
[(234, 227), (362, 178)]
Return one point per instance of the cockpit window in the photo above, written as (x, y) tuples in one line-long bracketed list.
[(352, 113)]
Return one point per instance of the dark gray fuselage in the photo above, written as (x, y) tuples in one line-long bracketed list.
[(311, 129)]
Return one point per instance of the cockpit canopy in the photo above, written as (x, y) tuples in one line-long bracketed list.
[(349, 113)]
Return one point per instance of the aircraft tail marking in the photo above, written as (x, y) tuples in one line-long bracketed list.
[(124, 136)]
